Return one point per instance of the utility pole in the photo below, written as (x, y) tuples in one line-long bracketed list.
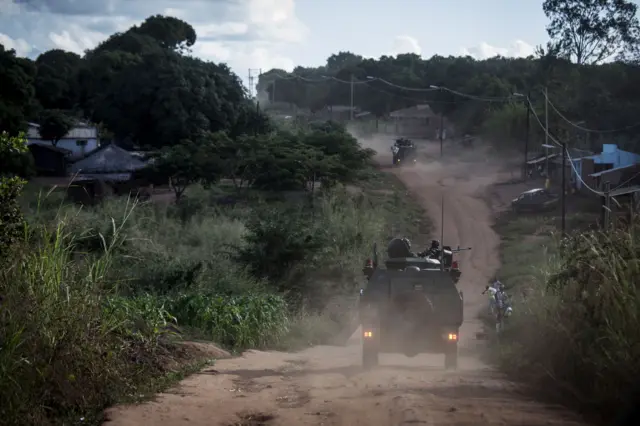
[(526, 136), (252, 80), (442, 233), (351, 109), (607, 205), (273, 91), (546, 132), (564, 189), (441, 132)]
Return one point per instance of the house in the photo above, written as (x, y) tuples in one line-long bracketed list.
[(107, 170), (418, 121), (49, 160), (80, 140), (612, 165), (110, 163)]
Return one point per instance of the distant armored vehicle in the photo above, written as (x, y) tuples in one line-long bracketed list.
[(404, 152)]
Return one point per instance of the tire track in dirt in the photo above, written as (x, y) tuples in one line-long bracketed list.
[(325, 385)]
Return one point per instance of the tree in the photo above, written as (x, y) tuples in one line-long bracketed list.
[(56, 81), (144, 89), (54, 125), (17, 94), (187, 163), (345, 157), (592, 31)]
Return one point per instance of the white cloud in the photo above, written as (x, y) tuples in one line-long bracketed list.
[(405, 44), (276, 20), (518, 49), (243, 57), (20, 45), (75, 39)]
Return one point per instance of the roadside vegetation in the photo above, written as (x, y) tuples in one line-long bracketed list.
[(98, 300), (575, 328)]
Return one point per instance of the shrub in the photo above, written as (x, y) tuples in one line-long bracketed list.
[(66, 348), (237, 322), (580, 327), (312, 253)]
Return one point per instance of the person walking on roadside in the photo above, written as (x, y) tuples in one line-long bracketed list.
[(491, 290)]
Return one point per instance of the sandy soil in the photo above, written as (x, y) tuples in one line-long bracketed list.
[(325, 385)]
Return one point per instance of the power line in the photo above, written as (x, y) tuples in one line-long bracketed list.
[(377, 89), (397, 86), (577, 126), (479, 98), (552, 139)]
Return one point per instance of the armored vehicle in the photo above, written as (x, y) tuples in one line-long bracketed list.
[(410, 306), (404, 152)]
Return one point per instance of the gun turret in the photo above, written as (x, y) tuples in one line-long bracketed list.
[(458, 250)]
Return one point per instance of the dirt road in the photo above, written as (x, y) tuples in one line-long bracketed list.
[(326, 386)]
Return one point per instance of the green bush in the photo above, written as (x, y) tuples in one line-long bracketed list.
[(64, 350), (238, 322), (313, 253), (578, 329)]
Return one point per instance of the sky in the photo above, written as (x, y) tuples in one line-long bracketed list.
[(266, 34)]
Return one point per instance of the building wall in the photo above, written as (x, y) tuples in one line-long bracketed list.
[(612, 155), (80, 140), (586, 167)]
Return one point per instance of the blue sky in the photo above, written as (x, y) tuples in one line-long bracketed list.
[(438, 26), (263, 34)]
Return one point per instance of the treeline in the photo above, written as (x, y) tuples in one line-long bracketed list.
[(139, 86), (586, 90)]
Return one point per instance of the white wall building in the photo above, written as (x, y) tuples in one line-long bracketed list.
[(80, 140)]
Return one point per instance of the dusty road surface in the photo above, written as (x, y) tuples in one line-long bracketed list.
[(326, 385)]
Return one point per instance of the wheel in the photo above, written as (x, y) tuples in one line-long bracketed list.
[(369, 355), (451, 357)]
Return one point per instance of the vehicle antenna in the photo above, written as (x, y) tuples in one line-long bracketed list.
[(442, 234)]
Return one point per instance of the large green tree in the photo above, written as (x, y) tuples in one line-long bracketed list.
[(592, 31), (56, 81), (17, 94), (142, 87)]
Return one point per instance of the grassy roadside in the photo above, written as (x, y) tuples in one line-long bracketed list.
[(97, 303), (573, 337)]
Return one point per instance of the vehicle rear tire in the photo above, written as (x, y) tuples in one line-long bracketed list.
[(369, 355), (451, 358)]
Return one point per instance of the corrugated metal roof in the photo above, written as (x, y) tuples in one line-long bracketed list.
[(615, 169), (110, 159), (625, 190)]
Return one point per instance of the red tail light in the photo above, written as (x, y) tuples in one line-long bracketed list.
[(454, 264)]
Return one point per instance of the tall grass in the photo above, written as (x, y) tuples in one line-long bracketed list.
[(81, 324), (578, 332), (61, 353), (92, 296)]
